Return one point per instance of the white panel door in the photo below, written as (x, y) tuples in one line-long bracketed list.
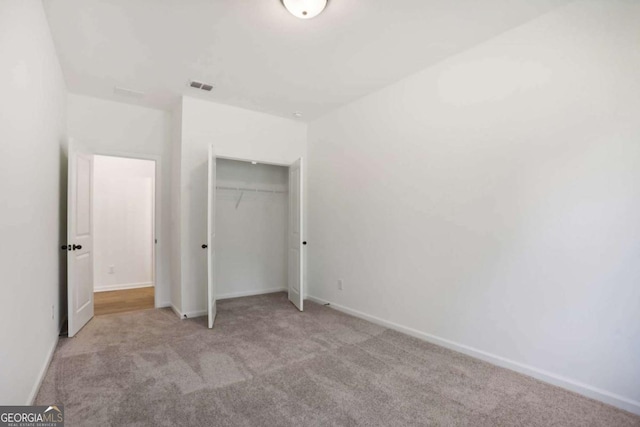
[(211, 239), (296, 285), (79, 240)]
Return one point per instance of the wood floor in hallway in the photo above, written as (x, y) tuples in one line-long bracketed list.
[(122, 301)]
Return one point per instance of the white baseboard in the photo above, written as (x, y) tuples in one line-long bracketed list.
[(249, 293), (540, 374), (42, 373), (122, 286), (198, 313), (188, 314), (176, 311), (194, 313)]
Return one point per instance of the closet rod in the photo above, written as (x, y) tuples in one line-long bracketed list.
[(257, 190)]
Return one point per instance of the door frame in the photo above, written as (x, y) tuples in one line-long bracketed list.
[(212, 176), (157, 203), (284, 163), (264, 161)]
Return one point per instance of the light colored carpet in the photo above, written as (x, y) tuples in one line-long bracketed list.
[(266, 364)]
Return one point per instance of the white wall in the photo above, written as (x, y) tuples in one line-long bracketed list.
[(251, 229), (123, 200), (32, 129), (235, 133), (492, 202), (109, 127)]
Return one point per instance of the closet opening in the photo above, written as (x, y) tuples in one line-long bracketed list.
[(251, 221), (124, 237), (255, 222)]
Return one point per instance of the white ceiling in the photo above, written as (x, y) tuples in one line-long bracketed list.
[(258, 55)]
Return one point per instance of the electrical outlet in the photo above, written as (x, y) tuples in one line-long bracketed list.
[(340, 284), (111, 269)]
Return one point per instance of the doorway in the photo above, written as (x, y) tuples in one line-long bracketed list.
[(82, 230), (123, 228)]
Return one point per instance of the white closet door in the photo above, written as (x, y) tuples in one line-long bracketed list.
[(211, 237), (296, 285), (79, 240)]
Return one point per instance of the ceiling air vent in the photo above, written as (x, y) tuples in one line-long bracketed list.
[(199, 85)]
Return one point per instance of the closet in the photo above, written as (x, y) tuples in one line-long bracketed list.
[(251, 218), (255, 218)]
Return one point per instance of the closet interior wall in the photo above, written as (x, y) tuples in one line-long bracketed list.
[(251, 228)]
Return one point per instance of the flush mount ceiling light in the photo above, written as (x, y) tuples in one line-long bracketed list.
[(305, 9)]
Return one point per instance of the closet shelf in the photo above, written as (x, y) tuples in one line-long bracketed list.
[(255, 190)]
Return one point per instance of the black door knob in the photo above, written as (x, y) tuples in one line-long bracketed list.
[(304, 243), (204, 246), (63, 247), (77, 247)]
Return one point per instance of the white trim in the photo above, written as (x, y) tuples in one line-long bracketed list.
[(260, 160), (198, 313), (188, 314), (42, 373), (176, 311), (195, 313), (250, 293), (540, 374), (123, 286)]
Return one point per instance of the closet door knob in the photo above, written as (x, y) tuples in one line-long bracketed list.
[(63, 247), (304, 243), (204, 246), (77, 247)]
